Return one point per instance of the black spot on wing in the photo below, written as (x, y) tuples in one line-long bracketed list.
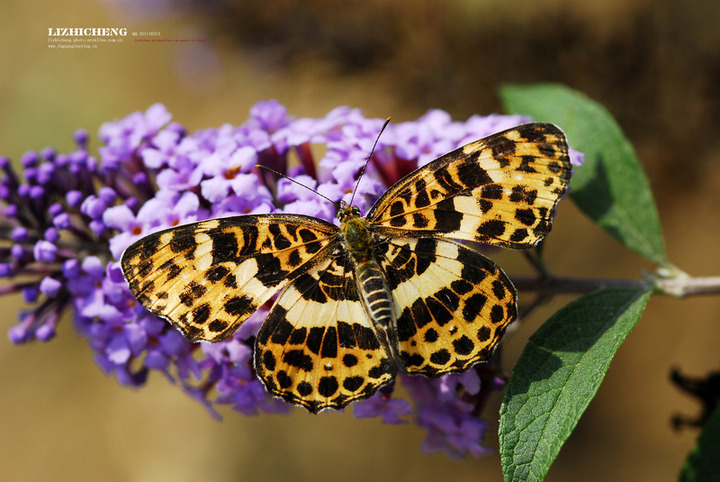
[(547, 150), (398, 222), (230, 281), (410, 361), (497, 314), (304, 389), (492, 191), (461, 286), (526, 165), (425, 249), (315, 339), (408, 263), (297, 337), (330, 343), (439, 311), (380, 370), (493, 228), (328, 386), (346, 335), (525, 216), (294, 259), (472, 175), (306, 235), (422, 199), (201, 314), (146, 245), (191, 293), (519, 235), (406, 328), (365, 337), (309, 288), (484, 205), (523, 194), (217, 326), (182, 241), (171, 269), (397, 208), (270, 271), (297, 358), (279, 239), (420, 221), (445, 180), (447, 217), (499, 290), (275, 324), (250, 239), (431, 336), (216, 273), (440, 357), (501, 146), (239, 305), (555, 167), (350, 360), (475, 266), (268, 359), (224, 246), (284, 381), (192, 333), (537, 133), (473, 306), (463, 345), (353, 384)]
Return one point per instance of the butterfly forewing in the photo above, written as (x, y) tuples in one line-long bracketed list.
[(318, 347), (206, 278), (452, 304), (500, 190)]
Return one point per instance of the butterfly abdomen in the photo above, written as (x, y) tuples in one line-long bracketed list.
[(375, 293), (378, 303)]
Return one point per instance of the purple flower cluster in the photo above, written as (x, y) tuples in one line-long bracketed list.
[(66, 222)]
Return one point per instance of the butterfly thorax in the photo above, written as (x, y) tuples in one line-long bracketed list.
[(371, 283), (355, 232)]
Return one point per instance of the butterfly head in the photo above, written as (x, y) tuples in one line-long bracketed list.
[(347, 211)]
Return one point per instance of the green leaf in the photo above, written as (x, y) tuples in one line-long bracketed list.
[(611, 186), (558, 374), (703, 463)]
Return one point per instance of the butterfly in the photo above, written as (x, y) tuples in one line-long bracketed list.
[(403, 290)]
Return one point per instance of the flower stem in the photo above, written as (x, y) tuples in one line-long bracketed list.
[(680, 287)]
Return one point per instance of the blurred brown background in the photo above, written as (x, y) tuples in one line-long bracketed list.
[(654, 65)]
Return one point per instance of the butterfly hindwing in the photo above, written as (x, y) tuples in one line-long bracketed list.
[(500, 190), (318, 347), (452, 304), (206, 278)]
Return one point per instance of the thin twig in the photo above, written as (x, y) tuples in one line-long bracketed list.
[(688, 286), (680, 287)]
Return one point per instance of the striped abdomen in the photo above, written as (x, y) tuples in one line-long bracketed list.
[(375, 293), (378, 302)]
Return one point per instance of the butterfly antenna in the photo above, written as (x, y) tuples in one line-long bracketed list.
[(362, 171), (281, 175)]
